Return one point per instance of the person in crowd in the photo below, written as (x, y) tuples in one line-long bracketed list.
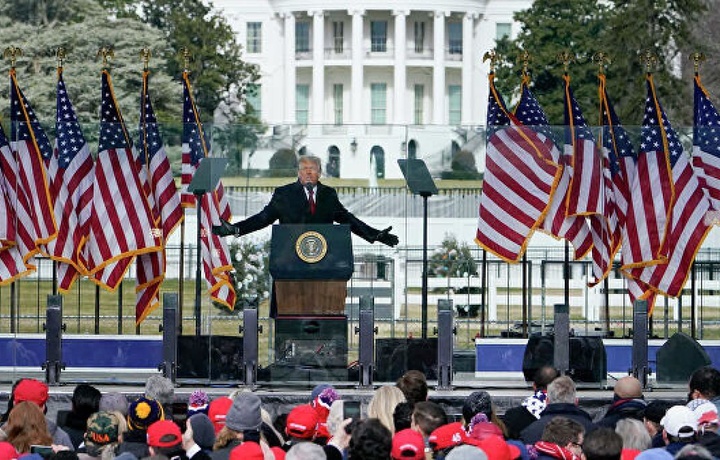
[(467, 452), (679, 428), (306, 451), (561, 400), (203, 431), (27, 426), (408, 444), (427, 416), (705, 384), (518, 418), (142, 413), (301, 425), (217, 411), (370, 440), (708, 424), (269, 432), (383, 403), (114, 401), (654, 412), (8, 451), (628, 402), (322, 399), (103, 435), (694, 452), (85, 401), (635, 437), (562, 439), (655, 453), (37, 392), (164, 439), (402, 416), (478, 407), (604, 443), (248, 450), (446, 437), (242, 423), (496, 448), (414, 386), (335, 416), (162, 390)]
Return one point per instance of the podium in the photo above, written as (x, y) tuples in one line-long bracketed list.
[(310, 266)]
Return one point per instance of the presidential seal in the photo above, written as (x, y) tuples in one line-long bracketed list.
[(311, 247)]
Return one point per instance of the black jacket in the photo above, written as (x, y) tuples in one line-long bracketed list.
[(533, 432), (517, 419), (621, 409)]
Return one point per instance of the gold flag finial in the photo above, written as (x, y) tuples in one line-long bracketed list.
[(493, 57), (601, 58), (145, 54), (697, 58), (566, 57), (60, 55), (525, 58), (12, 53), (106, 52), (187, 56), (649, 59)]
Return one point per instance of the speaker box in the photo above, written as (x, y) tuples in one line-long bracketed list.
[(680, 356), (214, 357), (588, 360), (394, 357)]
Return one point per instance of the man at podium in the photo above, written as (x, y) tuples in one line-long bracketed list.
[(306, 201)]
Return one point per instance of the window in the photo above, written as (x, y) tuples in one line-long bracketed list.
[(418, 110), (378, 154), (419, 36), (338, 36), (502, 30), (455, 37), (253, 100), (253, 42), (378, 36), (302, 104), (338, 103), (454, 102), (302, 37), (378, 103)]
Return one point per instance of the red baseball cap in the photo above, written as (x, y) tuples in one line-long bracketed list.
[(217, 411), (31, 390), (248, 450), (302, 422), (408, 444), (450, 435), (497, 449), (7, 451), (164, 433)]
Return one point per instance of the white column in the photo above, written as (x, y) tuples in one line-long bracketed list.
[(290, 70), (357, 70), (317, 113), (438, 102), (400, 82), (468, 58)]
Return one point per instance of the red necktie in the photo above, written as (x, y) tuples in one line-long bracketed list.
[(311, 198)]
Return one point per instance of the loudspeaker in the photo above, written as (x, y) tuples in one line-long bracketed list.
[(588, 360), (394, 357), (216, 357), (679, 357)]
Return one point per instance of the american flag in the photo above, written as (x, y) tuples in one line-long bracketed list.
[(519, 180), (12, 213), (651, 192), (165, 204), (33, 151), (556, 223), (74, 172), (706, 144), (215, 254), (689, 221), (118, 199), (621, 159), (589, 194)]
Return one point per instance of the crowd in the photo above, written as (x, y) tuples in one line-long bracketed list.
[(400, 423)]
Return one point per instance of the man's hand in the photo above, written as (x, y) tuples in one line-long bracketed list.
[(387, 238), (225, 229)]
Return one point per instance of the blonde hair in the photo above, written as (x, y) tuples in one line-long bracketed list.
[(383, 403)]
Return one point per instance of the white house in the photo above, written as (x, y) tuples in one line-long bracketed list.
[(363, 83)]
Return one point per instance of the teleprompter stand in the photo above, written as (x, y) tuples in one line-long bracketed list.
[(420, 183)]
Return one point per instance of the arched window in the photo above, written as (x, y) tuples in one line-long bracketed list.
[(412, 149), (377, 154), (332, 169)]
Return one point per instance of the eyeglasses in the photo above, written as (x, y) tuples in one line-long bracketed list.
[(576, 444)]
